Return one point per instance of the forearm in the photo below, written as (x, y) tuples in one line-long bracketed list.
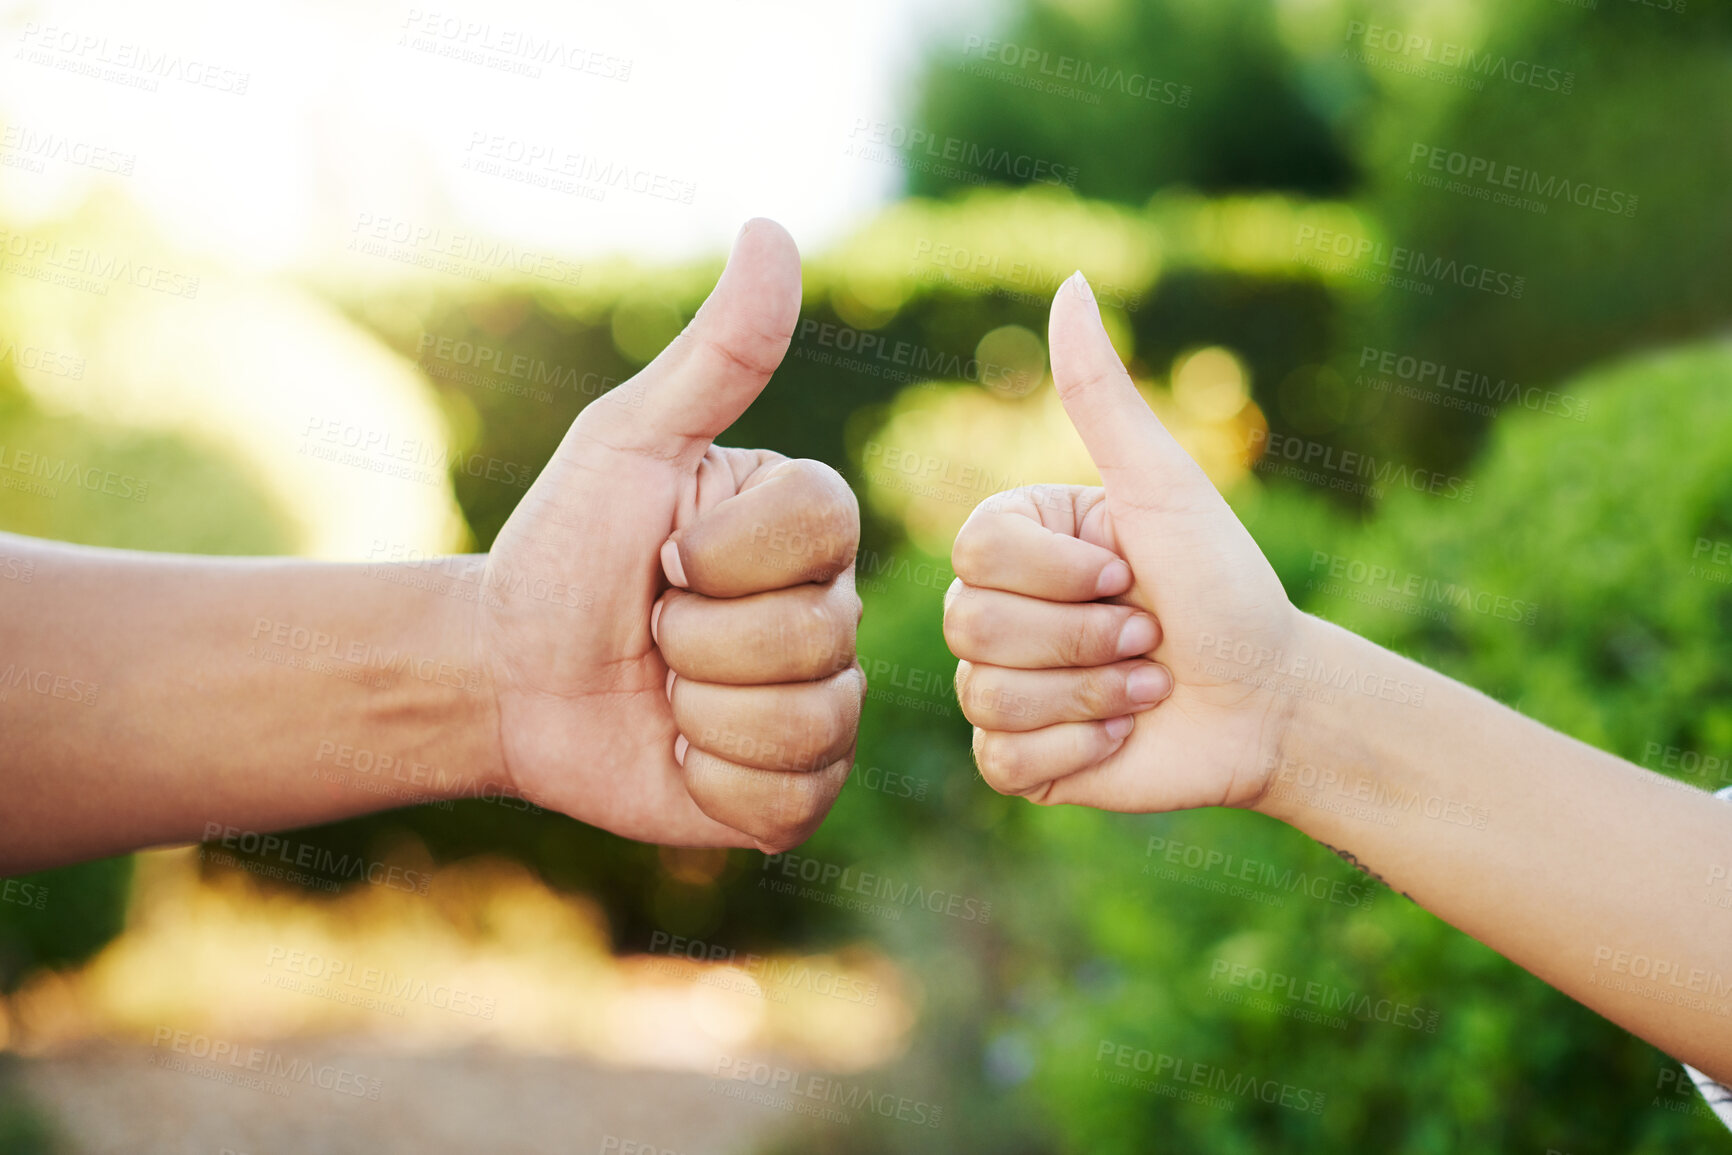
[(145, 697), (1589, 872)]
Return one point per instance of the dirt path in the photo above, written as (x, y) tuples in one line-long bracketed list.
[(123, 1100)]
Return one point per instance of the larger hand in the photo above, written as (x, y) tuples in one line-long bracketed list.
[(750, 743)]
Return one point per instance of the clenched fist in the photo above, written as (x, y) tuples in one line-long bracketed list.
[(1104, 635), (708, 694)]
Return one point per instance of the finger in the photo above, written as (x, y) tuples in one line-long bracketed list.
[(803, 726), (778, 808), (799, 634), (1003, 629), (1017, 763), (1010, 551), (701, 383), (799, 523), (999, 698), (1138, 459)]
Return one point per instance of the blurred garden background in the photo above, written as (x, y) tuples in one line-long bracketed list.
[(1435, 289)]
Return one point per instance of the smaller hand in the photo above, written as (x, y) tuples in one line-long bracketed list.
[(1092, 622)]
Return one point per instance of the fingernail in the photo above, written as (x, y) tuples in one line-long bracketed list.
[(671, 563), (680, 745), (1148, 684), (655, 619), (669, 688), (1114, 579), (1080, 286), (1118, 727), (1138, 636)]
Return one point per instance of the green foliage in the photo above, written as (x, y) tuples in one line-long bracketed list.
[(1144, 96)]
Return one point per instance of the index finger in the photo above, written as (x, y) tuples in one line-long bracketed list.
[(1008, 551), (799, 524)]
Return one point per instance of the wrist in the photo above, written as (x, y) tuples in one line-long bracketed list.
[(1306, 745), (452, 721)]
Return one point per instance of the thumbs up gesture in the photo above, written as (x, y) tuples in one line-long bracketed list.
[(672, 640), (1127, 646)]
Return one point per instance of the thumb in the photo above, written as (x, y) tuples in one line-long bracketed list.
[(1138, 459), (701, 383)]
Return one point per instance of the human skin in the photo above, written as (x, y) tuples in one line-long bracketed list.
[(642, 548), (1128, 647)]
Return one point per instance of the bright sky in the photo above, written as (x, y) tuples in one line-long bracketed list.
[(355, 111)]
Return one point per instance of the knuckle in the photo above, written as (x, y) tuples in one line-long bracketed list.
[(997, 758), (1099, 692), (970, 552), (964, 630), (1077, 640)]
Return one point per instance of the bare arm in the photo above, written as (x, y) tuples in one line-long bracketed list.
[(148, 696), (660, 643), (1596, 875), (1128, 647)]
